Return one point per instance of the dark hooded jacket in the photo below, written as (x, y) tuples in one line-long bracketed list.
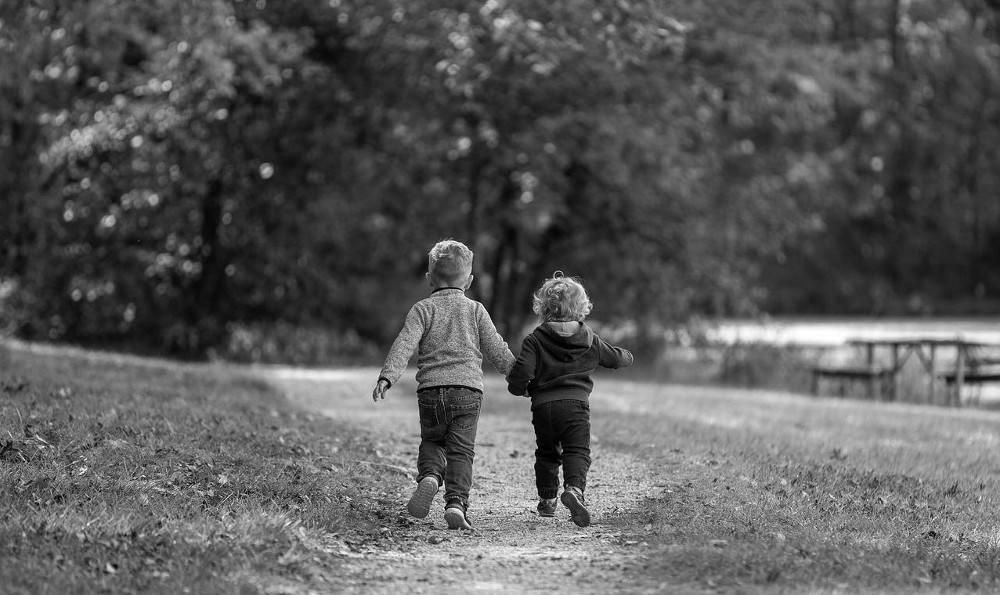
[(556, 362)]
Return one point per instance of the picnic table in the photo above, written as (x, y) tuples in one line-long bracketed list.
[(972, 362)]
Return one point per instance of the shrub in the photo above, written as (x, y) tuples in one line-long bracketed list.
[(764, 365), (283, 343)]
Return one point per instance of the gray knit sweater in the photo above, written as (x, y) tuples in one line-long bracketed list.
[(452, 335)]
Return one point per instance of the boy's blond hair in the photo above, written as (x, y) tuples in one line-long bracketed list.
[(449, 262), (561, 299)]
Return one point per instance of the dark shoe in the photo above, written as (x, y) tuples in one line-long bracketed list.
[(420, 502), (572, 498), (454, 515), (546, 507)]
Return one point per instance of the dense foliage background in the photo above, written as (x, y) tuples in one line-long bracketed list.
[(262, 180)]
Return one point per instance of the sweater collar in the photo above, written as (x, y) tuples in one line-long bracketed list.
[(447, 289)]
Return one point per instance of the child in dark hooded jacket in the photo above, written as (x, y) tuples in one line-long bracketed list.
[(554, 369)]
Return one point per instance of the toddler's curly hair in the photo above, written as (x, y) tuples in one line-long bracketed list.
[(561, 299)]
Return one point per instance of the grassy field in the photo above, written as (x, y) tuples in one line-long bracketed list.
[(130, 475), (125, 475), (788, 493)]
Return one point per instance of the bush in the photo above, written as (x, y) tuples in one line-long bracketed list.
[(765, 365), (283, 343)]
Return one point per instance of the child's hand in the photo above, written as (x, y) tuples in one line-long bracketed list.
[(380, 388)]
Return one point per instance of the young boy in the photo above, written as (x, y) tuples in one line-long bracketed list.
[(454, 334), (554, 369)]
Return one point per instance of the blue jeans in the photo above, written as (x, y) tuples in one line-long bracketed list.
[(562, 438), (449, 418)]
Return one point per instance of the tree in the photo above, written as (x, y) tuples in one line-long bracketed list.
[(177, 173)]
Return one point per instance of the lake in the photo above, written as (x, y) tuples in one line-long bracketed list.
[(828, 332), (831, 334)]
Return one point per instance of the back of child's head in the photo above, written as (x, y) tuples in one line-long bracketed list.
[(449, 263), (561, 298)]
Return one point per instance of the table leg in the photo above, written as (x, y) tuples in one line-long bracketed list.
[(895, 373), (959, 374), (933, 371), (870, 356)]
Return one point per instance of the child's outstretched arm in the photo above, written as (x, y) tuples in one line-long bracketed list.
[(613, 357)]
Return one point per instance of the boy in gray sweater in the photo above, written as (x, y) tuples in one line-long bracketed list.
[(452, 335)]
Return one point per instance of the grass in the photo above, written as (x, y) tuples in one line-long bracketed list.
[(773, 493), (133, 475), (144, 476)]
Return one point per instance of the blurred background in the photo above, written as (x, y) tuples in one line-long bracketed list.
[(260, 181)]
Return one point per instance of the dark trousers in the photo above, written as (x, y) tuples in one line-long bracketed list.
[(449, 418), (562, 438)]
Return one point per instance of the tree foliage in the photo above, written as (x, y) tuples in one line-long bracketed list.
[(177, 175)]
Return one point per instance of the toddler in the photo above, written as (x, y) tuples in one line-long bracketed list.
[(554, 369)]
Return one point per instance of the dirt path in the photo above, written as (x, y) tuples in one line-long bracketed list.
[(512, 550)]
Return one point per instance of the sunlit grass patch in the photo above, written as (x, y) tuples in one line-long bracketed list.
[(249, 526)]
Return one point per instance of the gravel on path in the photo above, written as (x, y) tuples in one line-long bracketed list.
[(511, 549)]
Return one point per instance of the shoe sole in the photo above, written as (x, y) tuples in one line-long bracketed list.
[(456, 519), (420, 503), (578, 512)]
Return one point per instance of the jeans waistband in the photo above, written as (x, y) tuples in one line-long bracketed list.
[(449, 388)]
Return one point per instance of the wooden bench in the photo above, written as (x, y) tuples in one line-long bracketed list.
[(978, 371), (973, 375), (979, 363), (876, 378)]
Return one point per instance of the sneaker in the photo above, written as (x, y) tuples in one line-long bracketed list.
[(546, 507), (454, 515), (572, 498), (420, 502)]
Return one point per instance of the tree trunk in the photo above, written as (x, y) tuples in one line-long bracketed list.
[(204, 297), (896, 52)]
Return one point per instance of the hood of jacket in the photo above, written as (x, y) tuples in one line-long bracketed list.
[(566, 340)]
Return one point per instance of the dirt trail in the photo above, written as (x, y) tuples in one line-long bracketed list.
[(511, 550)]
